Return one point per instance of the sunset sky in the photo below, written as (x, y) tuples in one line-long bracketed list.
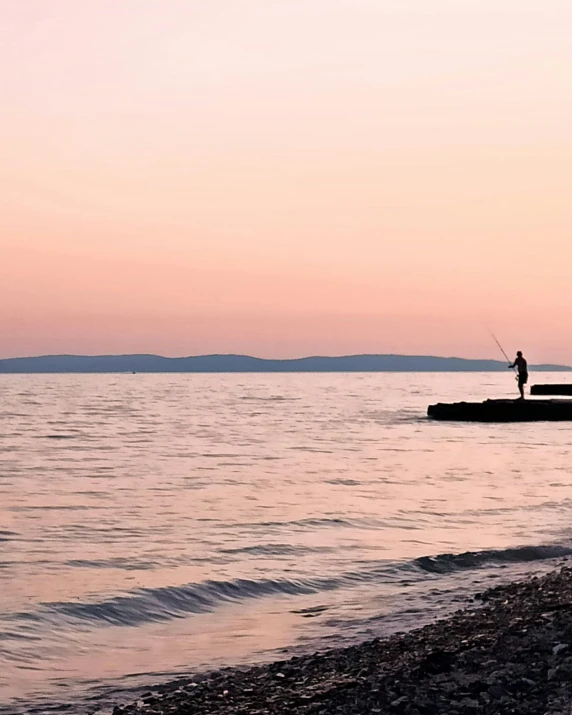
[(286, 177)]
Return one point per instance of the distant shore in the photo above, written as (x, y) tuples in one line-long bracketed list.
[(510, 654), (247, 364)]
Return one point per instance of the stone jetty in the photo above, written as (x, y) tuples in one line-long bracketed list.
[(503, 411)]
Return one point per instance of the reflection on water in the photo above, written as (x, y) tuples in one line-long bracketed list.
[(152, 524)]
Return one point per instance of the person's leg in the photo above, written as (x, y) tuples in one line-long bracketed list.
[(521, 389)]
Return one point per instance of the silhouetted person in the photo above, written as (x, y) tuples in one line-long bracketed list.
[(522, 367)]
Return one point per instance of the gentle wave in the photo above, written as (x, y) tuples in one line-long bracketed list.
[(163, 604), (60, 436), (314, 522), (446, 563), (278, 550), (273, 398), (123, 564)]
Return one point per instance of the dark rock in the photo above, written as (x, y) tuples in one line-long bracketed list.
[(552, 673), (496, 691), (437, 661)]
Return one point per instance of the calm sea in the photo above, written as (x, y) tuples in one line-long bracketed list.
[(153, 526)]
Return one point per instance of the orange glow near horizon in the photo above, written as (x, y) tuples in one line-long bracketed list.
[(283, 179)]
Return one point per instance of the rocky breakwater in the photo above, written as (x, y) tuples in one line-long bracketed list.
[(512, 653)]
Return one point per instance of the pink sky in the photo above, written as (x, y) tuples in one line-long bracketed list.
[(286, 178)]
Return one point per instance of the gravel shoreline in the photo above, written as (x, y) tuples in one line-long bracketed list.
[(511, 654)]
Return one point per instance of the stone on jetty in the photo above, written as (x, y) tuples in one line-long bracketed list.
[(551, 389), (503, 411)]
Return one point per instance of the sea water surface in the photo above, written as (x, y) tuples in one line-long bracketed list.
[(152, 526)]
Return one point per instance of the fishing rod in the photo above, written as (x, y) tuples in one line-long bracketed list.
[(503, 352)]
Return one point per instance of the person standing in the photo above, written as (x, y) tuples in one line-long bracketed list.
[(522, 367)]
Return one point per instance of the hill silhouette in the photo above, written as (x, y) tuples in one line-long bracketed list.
[(245, 363)]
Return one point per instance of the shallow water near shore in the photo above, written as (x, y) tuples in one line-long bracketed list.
[(155, 525)]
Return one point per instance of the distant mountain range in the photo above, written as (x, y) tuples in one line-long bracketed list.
[(244, 363)]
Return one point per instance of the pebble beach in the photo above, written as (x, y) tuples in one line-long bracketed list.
[(508, 652)]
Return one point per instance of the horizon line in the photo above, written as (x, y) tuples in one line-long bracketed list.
[(267, 359)]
